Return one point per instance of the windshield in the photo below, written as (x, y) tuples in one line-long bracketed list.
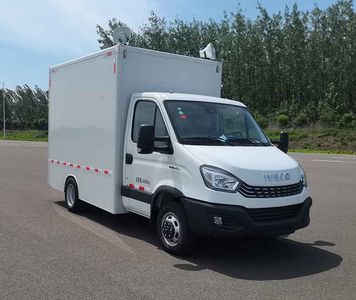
[(207, 123)]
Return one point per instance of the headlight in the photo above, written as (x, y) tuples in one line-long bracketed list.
[(218, 179), (303, 176)]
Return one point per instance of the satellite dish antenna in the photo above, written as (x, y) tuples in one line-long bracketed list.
[(121, 35), (208, 52)]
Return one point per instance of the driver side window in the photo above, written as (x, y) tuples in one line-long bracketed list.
[(147, 112)]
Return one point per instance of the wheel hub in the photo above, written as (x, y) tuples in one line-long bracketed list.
[(170, 229)]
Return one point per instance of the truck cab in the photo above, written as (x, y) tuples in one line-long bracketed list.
[(200, 165)]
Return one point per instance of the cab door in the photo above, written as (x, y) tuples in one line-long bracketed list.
[(143, 173)]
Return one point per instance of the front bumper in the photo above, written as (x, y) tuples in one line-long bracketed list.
[(241, 221)]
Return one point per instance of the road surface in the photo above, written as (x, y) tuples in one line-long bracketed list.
[(47, 252)]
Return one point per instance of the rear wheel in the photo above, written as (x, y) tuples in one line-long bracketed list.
[(173, 229), (71, 195)]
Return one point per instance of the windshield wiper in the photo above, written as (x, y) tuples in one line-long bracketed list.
[(249, 140), (206, 138), (257, 141)]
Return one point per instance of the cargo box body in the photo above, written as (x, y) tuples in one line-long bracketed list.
[(88, 106)]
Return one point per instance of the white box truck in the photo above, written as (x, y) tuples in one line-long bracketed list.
[(141, 131)]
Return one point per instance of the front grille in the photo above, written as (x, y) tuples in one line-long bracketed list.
[(250, 191), (274, 213)]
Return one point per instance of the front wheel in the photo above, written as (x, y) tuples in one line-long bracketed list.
[(173, 229)]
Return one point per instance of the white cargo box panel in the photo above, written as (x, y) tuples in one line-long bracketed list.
[(82, 118), (88, 104)]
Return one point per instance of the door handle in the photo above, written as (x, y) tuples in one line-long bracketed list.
[(128, 158)]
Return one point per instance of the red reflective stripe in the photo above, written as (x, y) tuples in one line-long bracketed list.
[(131, 186), (88, 168), (114, 68), (109, 53), (141, 188)]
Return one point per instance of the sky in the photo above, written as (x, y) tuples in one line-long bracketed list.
[(35, 35)]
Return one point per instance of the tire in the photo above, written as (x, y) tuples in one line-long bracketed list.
[(71, 195), (173, 230)]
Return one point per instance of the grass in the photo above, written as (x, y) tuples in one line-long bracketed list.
[(25, 135), (322, 151), (335, 141)]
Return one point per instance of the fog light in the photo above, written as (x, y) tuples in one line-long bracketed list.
[(218, 221)]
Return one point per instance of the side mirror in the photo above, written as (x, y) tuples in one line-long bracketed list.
[(145, 142), (283, 142)]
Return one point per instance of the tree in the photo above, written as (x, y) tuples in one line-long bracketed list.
[(25, 105), (292, 63)]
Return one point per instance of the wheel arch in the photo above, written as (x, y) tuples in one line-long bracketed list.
[(167, 192)]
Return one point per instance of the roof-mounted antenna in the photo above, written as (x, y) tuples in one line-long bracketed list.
[(121, 35), (208, 52)]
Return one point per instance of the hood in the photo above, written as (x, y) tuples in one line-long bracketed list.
[(259, 166)]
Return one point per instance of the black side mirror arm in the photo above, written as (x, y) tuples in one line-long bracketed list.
[(283, 142)]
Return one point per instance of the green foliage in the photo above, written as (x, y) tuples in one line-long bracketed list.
[(262, 121), (301, 120), (16, 125), (23, 106), (347, 121), (29, 135), (283, 120), (327, 118), (35, 124), (27, 125), (292, 60)]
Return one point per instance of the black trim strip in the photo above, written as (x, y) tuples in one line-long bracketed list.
[(136, 194)]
